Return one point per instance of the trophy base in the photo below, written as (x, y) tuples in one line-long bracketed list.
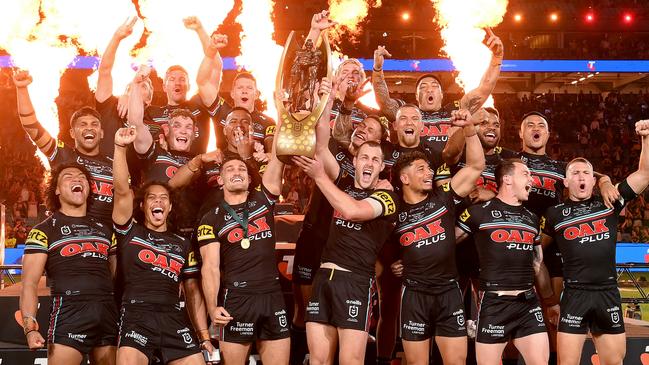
[(296, 136)]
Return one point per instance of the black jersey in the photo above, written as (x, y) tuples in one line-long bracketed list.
[(161, 165), (586, 232), (151, 264), (355, 245), (156, 116), (249, 264), (425, 232), (487, 179), (100, 168), (504, 236), (77, 251), (547, 181), (262, 125)]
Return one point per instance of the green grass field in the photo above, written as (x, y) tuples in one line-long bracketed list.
[(632, 292)]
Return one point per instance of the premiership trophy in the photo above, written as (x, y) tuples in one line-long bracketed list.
[(301, 68)]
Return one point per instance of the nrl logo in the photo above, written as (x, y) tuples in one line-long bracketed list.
[(496, 214), (402, 217), (282, 321), (615, 317), (539, 316), (460, 320), (566, 212), (353, 311), (65, 230)]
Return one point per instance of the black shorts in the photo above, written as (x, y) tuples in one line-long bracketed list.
[(163, 330), (83, 323), (342, 299), (553, 261), (425, 313), (506, 317), (256, 316), (308, 251), (597, 310)]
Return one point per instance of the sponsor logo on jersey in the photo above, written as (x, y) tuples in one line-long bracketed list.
[(465, 216), (514, 238), (257, 230), (439, 130), (161, 262), (389, 207), (205, 232), (588, 232), (432, 232), (86, 249), (37, 237), (547, 184)]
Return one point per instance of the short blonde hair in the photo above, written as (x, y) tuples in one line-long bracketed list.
[(348, 61)]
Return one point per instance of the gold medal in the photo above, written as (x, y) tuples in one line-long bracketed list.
[(245, 243)]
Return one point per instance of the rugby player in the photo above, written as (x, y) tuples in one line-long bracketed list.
[(339, 308), (237, 245), (152, 263), (585, 230), (74, 250), (507, 236), (86, 131), (429, 94), (431, 302)]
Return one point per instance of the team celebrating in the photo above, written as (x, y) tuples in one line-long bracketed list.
[(156, 246)]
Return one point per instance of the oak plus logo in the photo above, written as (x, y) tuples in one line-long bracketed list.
[(588, 232)]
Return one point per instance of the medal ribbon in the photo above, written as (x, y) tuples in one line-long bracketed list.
[(243, 221)]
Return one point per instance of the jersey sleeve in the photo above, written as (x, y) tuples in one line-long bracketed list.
[(547, 223), (450, 196), (269, 197), (123, 229), (37, 241), (388, 201), (191, 268), (443, 172), (270, 131), (60, 154), (206, 232), (466, 220), (210, 109), (537, 237), (221, 107), (113, 245)]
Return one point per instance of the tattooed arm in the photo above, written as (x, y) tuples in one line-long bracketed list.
[(388, 105)]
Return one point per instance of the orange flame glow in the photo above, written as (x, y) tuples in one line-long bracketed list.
[(169, 42), (260, 54), (462, 25), (348, 14)]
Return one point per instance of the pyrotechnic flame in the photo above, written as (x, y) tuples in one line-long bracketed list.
[(39, 48), (348, 14), (260, 54), (462, 25), (170, 43)]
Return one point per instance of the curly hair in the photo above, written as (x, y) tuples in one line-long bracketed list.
[(53, 201)]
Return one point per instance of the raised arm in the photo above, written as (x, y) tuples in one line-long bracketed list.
[(639, 179), (122, 194), (475, 98), (33, 267), (210, 70), (144, 139), (454, 147), (323, 135), (463, 182), (388, 105), (104, 72), (43, 140), (350, 208), (319, 22), (272, 178)]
